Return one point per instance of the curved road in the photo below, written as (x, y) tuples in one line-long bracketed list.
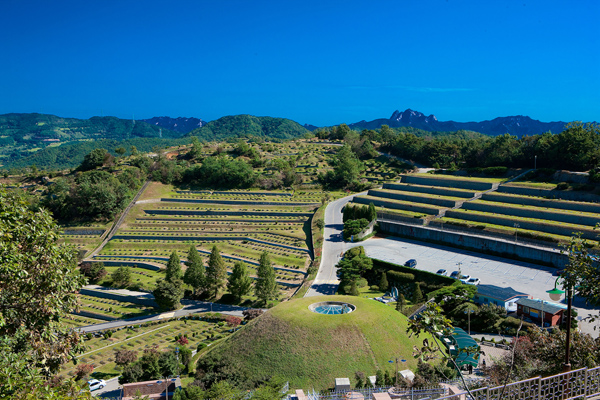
[(326, 282)]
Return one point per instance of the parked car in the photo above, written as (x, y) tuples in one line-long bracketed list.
[(411, 263), (96, 384), (471, 281), (465, 278), (455, 275), (441, 272)]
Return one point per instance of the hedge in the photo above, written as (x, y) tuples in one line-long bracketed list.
[(428, 280)]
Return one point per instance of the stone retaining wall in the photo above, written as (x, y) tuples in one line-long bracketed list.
[(475, 243), (397, 206), (451, 183), (550, 193), (118, 263), (405, 196), (429, 189), (238, 202), (542, 202), (148, 301), (588, 233), (576, 219), (226, 213), (95, 316)]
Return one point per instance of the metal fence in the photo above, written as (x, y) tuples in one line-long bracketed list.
[(365, 393), (581, 383)]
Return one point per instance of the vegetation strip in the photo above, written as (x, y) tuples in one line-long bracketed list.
[(121, 342), (237, 202)]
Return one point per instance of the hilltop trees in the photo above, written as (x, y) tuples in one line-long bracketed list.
[(216, 273), (194, 274), (239, 284), (174, 268), (265, 287)]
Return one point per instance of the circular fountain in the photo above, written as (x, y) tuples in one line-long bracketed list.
[(332, 307)]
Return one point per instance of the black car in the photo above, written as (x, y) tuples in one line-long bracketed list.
[(411, 263)]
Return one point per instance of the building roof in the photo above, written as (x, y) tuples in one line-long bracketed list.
[(498, 293), (463, 341), (536, 304), (152, 389)]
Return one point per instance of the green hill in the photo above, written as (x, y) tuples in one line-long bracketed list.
[(311, 350), (23, 135), (244, 126)]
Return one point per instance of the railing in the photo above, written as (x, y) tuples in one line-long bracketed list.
[(407, 393), (581, 383)]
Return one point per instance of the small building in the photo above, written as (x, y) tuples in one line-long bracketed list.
[(534, 308), (342, 384), (155, 390), (503, 297)]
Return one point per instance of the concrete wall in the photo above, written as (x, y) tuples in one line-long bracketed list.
[(477, 244), (397, 206), (404, 196), (411, 220), (367, 231), (118, 263), (238, 202), (551, 194), (542, 202), (243, 213), (573, 218), (452, 183), (429, 189), (144, 301), (588, 233)]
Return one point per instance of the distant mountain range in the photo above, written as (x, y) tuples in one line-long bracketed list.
[(243, 126), (517, 125), (181, 124)]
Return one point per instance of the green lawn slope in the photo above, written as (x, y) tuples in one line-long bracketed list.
[(310, 350)]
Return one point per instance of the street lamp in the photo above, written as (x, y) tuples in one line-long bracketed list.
[(469, 312), (555, 295)]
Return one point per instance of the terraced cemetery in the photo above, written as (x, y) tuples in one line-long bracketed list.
[(200, 330), (537, 213), (242, 224)]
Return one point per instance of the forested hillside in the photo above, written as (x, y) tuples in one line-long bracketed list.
[(245, 126)]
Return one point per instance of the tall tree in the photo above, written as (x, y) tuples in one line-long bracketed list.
[(347, 166), (216, 273), (194, 274), (239, 284), (174, 268), (38, 282), (168, 294), (266, 285)]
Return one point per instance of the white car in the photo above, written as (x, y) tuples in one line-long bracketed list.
[(96, 384), (471, 281), (465, 278)]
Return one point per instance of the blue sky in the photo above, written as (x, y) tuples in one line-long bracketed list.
[(318, 62)]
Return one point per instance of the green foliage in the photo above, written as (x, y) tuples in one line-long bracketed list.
[(351, 268), (346, 170), (173, 271), (195, 272), (216, 273), (247, 126), (417, 294), (121, 277), (354, 227), (222, 172), (400, 303), (38, 282), (168, 294), (383, 282), (239, 283), (93, 271), (265, 287), (94, 159)]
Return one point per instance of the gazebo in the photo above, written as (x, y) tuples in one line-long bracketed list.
[(460, 346)]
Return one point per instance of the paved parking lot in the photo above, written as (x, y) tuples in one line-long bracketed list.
[(521, 276)]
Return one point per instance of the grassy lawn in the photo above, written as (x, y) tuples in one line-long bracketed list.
[(312, 349), (531, 184), (113, 308), (460, 178)]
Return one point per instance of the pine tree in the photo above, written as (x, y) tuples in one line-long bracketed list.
[(216, 273), (347, 213), (383, 282), (417, 294), (401, 302), (354, 289), (372, 212), (239, 284), (194, 274), (265, 287), (173, 268)]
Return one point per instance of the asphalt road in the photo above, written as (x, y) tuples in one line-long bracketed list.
[(326, 282), (189, 307)]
